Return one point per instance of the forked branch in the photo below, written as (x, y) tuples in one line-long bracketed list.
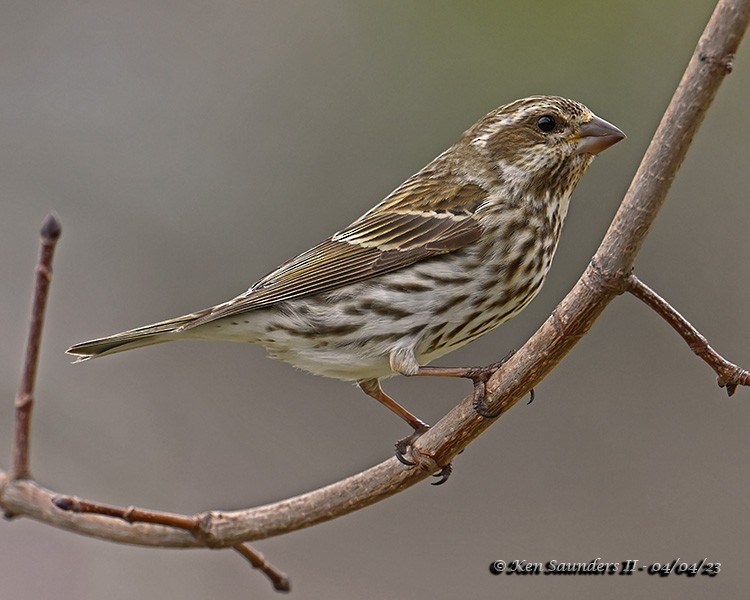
[(192, 525), (728, 375)]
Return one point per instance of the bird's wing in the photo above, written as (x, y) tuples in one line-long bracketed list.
[(416, 222)]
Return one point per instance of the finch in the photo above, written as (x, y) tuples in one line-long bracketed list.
[(457, 249)]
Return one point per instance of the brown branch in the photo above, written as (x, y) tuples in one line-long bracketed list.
[(279, 580), (712, 60), (607, 275), (728, 375), (132, 514), (25, 399)]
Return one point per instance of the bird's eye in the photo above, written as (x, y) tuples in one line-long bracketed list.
[(546, 123)]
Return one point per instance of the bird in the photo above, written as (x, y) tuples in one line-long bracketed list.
[(457, 249)]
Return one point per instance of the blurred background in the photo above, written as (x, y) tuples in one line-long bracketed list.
[(191, 147)]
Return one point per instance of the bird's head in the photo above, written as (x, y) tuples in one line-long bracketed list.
[(542, 141)]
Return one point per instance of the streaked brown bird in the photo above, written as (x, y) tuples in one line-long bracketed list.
[(456, 250)]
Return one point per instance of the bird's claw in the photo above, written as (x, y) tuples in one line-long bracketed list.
[(480, 376), (443, 473), (480, 401), (401, 449), (403, 446)]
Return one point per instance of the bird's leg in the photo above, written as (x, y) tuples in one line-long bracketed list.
[(372, 388), (479, 375)]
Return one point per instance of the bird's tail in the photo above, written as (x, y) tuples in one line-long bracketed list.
[(148, 335)]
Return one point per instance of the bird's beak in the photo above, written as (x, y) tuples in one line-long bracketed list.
[(597, 135)]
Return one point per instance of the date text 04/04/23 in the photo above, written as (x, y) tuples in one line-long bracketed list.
[(597, 567)]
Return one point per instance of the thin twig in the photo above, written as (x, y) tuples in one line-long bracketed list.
[(132, 514), (50, 232), (279, 580), (729, 375)]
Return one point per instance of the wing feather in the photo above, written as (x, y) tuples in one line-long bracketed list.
[(390, 237)]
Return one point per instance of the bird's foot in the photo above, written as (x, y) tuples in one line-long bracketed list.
[(406, 446), (478, 375), (403, 446)]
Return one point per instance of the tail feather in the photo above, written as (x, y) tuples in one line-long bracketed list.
[(148, 335)]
